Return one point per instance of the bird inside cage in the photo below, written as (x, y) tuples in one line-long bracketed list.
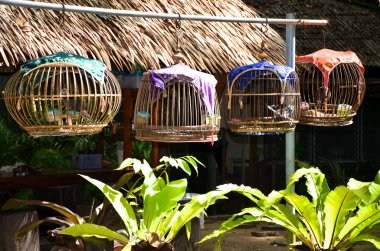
[(56, 115), (73, 110), (280, 111)]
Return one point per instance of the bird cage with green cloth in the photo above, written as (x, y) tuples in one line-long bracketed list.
[(332, 87), (177, 104), (263, 98), (62, 94)]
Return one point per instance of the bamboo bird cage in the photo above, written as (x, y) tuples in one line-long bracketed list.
[(62, 94), (332, 87), (177, 104), (263, 98)]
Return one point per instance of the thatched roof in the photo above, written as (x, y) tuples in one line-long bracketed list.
[(123, 42), (351, 27)]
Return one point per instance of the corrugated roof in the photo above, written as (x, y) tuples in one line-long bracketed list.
[(351, 27)]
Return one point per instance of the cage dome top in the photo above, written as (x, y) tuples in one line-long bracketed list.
[(326, 60), (262, 67), (95, 67), (204, 82)]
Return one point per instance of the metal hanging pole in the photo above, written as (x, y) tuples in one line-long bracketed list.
[(290, 61), (142, 14), (290, 136)]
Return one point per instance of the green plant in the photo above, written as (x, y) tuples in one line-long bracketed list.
[(85, 144), (48, 158), (159, 217), (142, 150), (325, 220), (43, 152), (23, 194), (339, 173), (12, 144)]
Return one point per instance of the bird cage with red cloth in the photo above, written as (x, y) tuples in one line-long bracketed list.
[(62, 94), (177, 104), (332, 87)]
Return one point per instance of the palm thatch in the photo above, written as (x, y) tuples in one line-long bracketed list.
[(123, 42)]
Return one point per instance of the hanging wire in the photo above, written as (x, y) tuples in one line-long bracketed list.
[(324, 38), (178, 57), (62, 25), (302, 29), (178, 28)]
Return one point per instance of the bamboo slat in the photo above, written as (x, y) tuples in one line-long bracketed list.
[(62, 99)]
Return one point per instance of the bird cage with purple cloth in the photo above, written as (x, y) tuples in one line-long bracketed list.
[(62, 94), (332, 87), (263, 98), (177, 104)]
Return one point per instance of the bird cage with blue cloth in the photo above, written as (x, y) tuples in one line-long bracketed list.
[(177, 104), (263, 98), (62, 94), (332, 87)]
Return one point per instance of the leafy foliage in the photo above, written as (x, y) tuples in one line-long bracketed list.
[(142, 150), (49, 158), (326, 220), (43, 152), (12, 144), (159, 214), (85, 144)]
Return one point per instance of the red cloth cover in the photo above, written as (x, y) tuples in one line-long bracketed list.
[(326, 60)]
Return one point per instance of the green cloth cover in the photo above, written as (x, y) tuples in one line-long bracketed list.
[(95, 67)]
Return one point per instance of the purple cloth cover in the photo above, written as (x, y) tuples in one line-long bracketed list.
[(205, 83)]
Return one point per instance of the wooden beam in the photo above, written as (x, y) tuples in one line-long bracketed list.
[(127, 122), (63, 178), (155, 154)]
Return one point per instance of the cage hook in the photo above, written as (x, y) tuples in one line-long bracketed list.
[(263, 55), (178, 56), (178, 28), (264, 28), (178, 21), (63, 13)]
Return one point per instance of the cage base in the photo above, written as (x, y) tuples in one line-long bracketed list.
[(177, 136), (264, 125), (37, 131), (327, 121), (257, 130)]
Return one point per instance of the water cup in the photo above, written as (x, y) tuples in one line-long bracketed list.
[(343, 110)]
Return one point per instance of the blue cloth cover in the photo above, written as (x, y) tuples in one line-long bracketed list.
[(259, 68)]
